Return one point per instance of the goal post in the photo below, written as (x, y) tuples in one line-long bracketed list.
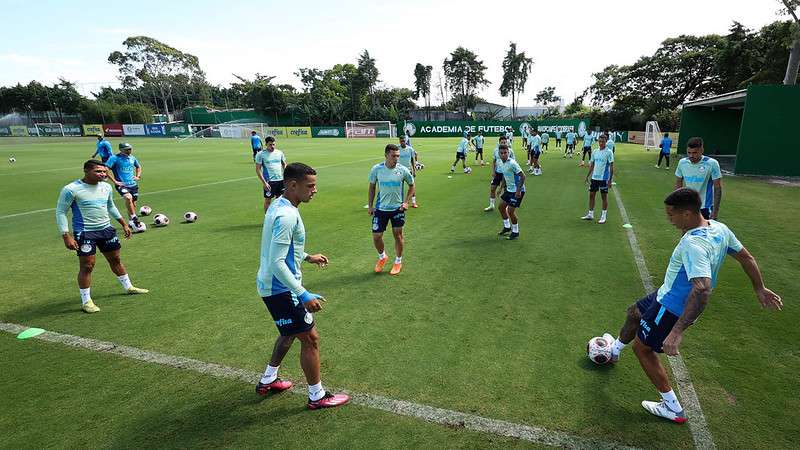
[(49, 129), (369, 129), (652, 135), (228, 130)]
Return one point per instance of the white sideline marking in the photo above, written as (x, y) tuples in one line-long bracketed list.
[(697, 423), (145, 194), (427, 413)]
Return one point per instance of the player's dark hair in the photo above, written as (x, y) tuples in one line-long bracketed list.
[(695, 142), (253, 132), (297, 171), (684, 199), (92, 163), (390, 148), (502, 147), (502, 137), (100, 136), (269, 139), (666, 134)]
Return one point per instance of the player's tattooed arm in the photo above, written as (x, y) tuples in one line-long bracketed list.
[(717, 198), (696, 303)]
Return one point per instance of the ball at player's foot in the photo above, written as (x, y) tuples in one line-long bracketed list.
[(190, 216)]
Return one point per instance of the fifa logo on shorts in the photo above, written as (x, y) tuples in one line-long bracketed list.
[(282, 322)]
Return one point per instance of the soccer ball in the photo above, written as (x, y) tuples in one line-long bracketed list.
[(137, 229), (145, 210), (419, 165), (12, 159), (598, 349), (160, 220), (467, 169), (190, 216)]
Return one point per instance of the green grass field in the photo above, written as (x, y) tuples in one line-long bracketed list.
[(474, 323)]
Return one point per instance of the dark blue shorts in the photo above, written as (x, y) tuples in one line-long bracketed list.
[(291, 318), (598, 185), (656, 322), (89, 241), (587, 149), (497, 179), (276, 189), (461, 156), (536, 153), (479, 151), (133, 190), (511, 199), (380, 219)]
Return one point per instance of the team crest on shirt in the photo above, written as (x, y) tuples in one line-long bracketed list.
[(701, 168)]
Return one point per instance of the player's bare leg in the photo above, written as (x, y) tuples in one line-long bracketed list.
[(503, 209), (590, 215), (377, 241), (669, 408), (399, 242)]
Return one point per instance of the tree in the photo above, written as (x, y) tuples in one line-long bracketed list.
[(422, 86), (148, 62), (790, 7), (548, 97), (516, 67), (465, 74), (368, 76)]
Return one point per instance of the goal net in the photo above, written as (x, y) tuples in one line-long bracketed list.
[(652, 135), (49, 129), (370, 129), (228, 130)]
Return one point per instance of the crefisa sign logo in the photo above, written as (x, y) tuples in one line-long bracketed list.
[(361, 132)]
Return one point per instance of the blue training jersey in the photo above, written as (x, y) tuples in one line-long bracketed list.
[(700, 177), (104, 150), (271, 164), (570, 137), (406, 156), (666, 143), (511, 171), (90, 204), (283, 239), (389, 184), (699, 254), (124, 168), (602, 159), (255, 142)]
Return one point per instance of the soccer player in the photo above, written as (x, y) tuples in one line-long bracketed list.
[(665, 145), (125, 172), (545, 139), (610, 141), (388, 178), (91, 205), (601, 169), (514, 178), (104, 149), (497, 178), (408, 138), (570, 148), (534, 142), (408, 158), (657, 322), (477, 141), (255, 143), (510, 136), (558, 138), (461, 153), (279, 283), (270, 164), (702, 174), (587, 146)]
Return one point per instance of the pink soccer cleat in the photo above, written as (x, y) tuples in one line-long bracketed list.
[(276, 386), (329, 401)]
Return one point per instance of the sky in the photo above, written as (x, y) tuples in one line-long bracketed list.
[(567, 39)]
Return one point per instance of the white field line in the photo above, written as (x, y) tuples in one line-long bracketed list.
[(697, 420), (183, 188), (427, 413)]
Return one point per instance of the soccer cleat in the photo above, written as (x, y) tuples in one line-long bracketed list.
[(414, 205), (329, 401), (661, 409), (135, 290), (90, 307), (489, 208), (512, 236), (658, 167), (276, 386), (396, 268), (504, 231), (588, 217), (602, 220), (379, 265)]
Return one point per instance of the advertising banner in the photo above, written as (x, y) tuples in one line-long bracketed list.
[(457, 128), (18, 130), (362, 132), (327, 132), (177, 129), (112, 129), (275, 131), (155, 129), (92, 130), (298, 132), (133, 130), (5, 131), (72, 130), (230, 132), (32, 131)]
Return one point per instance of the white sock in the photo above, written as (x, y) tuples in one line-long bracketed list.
[(491, 201), (398, 260), (672, 401), (413, 199), (382, 254), (515, 228), (506, 223), (617, 346), (125, 281), (85, 295), (270, 375), (603, 213), (315, 391), (590, 213), (452, 168)]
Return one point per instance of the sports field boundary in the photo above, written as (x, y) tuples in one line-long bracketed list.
[(192, 186), (691, 403), (446, 417)]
